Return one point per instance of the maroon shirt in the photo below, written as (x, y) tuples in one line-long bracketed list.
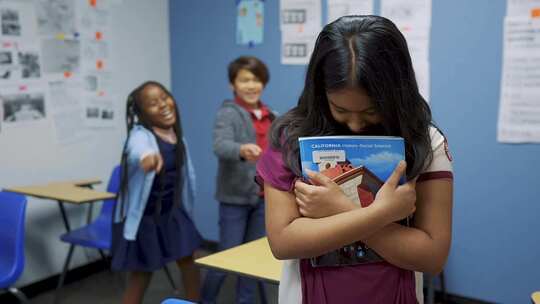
[(378, 282), (262, 124)]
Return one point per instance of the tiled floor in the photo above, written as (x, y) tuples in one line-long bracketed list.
[(107, 287)]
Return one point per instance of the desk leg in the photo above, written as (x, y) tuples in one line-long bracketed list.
[(90, 208), (262, 292), (64, 216), (63, 275)]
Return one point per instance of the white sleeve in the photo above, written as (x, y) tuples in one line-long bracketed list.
[(441, 164)]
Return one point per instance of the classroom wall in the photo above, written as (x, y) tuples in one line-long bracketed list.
[(139, 51), (496, 244)]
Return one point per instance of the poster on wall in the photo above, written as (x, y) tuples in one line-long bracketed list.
[(100, 112), (56, 17), (339, 8), (22, 106), (413, 19), (17, 20), (66, 110), (523, 8), (300, 23), (296, 48), (8, 65), (300, 15), (519, 107), (19, 61), (94, 55), (250, 22), (60, 56)]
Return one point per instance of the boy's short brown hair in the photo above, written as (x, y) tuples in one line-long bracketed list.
[(252, 64)]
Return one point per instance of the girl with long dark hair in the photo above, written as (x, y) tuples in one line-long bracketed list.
[(360, 81)]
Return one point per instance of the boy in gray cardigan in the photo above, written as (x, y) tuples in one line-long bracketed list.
[(240, 136)]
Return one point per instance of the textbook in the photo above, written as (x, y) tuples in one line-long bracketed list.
[(359, 165)]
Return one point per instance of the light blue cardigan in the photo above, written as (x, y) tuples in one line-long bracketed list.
[(141, 141)]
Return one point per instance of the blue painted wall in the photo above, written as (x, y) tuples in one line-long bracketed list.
[(495, 253)]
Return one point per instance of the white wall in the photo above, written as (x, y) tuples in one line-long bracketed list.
[(139, 51)]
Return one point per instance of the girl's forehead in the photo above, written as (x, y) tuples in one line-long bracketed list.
[(353, 99), (151, 91)]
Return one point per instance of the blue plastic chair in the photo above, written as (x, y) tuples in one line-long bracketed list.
[(176, 301), (97, 234), (12, 211)]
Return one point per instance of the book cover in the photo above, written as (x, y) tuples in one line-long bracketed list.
[(359, 165)]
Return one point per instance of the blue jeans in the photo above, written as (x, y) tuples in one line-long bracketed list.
[(238, 224)]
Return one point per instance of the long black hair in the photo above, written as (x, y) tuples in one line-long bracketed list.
[(135, 116), (367, 52)]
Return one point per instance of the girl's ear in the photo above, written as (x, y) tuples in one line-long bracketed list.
[(232, 87)]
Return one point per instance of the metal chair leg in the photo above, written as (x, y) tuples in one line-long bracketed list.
[(166, 269), (430, 298), (64, 272), (443, 287), (105, 260), (18, 294)]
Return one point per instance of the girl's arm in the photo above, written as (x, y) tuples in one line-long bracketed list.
[(425, 246), (293, 236)]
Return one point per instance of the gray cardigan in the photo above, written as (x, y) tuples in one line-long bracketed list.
[(235, 179)]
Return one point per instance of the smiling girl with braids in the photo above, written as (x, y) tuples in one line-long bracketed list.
[(153, 217)]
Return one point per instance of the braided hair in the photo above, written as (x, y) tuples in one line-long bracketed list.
[(134, 116)]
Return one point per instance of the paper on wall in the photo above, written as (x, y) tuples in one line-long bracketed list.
[(296, 48), (250, 22), (300, 15), (339, 8), (17, 20), (519, 109)]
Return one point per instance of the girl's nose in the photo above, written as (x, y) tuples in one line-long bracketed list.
[(356, 126)]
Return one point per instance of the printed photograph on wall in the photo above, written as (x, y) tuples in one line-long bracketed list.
[(23, 107), (7, 65), (29, 64), (11, 25)]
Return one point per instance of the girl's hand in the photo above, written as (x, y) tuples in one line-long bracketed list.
[(323, 198), (152, 162), (394, 201), (250, 152)]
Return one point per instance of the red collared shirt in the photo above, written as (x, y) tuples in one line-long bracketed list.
[(261, 118)]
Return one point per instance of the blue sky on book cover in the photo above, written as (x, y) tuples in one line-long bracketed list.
[(379, 154)]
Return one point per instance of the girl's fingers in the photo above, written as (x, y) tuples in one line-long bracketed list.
[(159, 162), (300, 195), (393, 180), (301, 187), (300, 203), (319, 178)]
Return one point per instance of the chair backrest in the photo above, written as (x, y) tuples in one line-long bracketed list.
[(12, 216), (113, 187), (176, 301)]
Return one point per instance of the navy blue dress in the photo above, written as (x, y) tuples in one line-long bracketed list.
[(166, 233)]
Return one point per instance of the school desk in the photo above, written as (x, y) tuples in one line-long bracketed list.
[(535, 297), (253, 259), (73, 192)]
